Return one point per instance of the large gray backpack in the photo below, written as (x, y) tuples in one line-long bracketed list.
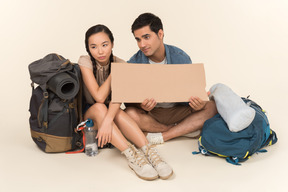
[(55, 104)]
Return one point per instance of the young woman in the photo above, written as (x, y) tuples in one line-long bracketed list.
[(111, 122)]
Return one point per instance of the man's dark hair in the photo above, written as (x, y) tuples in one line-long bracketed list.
[(147, 19)]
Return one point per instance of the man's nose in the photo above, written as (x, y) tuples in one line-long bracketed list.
[(142, 44)]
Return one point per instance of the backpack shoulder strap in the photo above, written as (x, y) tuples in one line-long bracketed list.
[(43, 112), (80, 93), (272, 139)]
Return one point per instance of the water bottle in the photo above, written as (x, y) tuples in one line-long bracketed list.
[(91, 148)]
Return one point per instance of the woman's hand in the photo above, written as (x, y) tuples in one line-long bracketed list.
[(104, 134)]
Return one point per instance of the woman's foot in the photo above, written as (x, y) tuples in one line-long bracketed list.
[(163, 169), (139, 164)]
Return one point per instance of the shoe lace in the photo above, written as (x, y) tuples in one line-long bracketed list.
[(138, 156), (153, 155)]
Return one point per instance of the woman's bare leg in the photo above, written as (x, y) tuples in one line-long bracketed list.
[(130, 129), (97, 113)]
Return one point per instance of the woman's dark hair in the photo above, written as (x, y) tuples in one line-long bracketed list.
[(93, 30), (147, 19)]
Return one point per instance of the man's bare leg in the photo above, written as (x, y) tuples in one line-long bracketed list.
[(192, 123), (146, 122)]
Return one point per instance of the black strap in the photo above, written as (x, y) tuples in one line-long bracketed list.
[(80, 93), (272, 137), (43, 112)]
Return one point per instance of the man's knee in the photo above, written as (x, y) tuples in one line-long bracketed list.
[(211, 108), (134, 113)]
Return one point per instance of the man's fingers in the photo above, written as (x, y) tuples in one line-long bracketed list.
[(192, 101), (196, 100), (154, 104), (150, 103), (145, 102)]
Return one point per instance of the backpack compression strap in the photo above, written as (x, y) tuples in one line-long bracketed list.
[(81, 128)]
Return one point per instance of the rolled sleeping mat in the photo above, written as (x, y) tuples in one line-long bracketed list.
[(63, 85)]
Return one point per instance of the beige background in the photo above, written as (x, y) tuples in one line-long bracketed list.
[(243, 44)]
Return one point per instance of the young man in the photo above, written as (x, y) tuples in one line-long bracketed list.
[(164, 121)]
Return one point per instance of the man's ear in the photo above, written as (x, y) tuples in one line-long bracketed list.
[(161, 34)]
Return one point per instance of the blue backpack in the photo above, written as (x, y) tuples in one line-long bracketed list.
[(217, 140)]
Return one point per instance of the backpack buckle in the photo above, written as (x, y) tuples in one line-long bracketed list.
[(71, 105), (45, 95), (45, 124), (81, 125), (203, 151)]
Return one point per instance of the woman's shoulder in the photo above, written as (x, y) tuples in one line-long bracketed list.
[(84, 60), (118, 60)]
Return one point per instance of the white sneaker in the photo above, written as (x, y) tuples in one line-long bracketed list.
[(139, 164), (193, 135), (155, 138), (163, 169)]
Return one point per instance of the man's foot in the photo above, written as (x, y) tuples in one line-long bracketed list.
[(193, 135), (139, 164), (155, 138), (163, 169)]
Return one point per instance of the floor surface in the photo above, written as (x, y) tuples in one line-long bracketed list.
[(25, 168)]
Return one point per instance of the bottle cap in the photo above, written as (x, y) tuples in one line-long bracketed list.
[(89, 123)]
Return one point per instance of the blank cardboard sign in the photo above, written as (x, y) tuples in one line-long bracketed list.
[(133, 83)]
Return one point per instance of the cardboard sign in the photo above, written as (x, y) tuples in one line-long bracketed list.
[(133, 83)]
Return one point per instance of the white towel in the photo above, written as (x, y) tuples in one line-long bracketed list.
[(231, 107)]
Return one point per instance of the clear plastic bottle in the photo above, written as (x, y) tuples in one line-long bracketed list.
[(91, 148)]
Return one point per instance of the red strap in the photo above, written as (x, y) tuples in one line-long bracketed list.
[(84, 139)]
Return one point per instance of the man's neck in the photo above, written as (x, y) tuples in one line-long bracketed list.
[(159, 55)]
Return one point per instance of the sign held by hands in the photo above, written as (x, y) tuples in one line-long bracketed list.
[(133, 83)]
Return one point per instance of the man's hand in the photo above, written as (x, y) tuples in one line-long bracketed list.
[(196, 103), (148, 104)]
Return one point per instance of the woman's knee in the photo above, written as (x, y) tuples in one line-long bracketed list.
[(97, 109)]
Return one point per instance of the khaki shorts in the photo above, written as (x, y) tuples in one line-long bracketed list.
[(171, 115)]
